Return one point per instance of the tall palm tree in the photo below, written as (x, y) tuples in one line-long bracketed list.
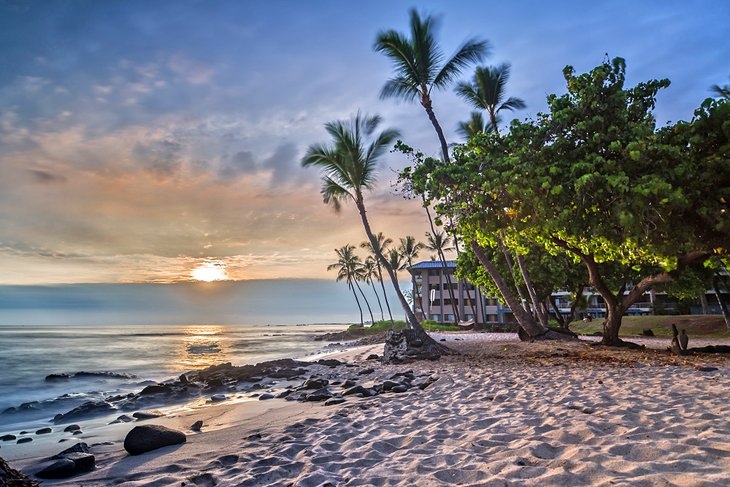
[(473, 126), (370, 273), (408, 249), (349, 165), (487, 91), (381, 243), (347, 270), (395, 261), (420, 66)]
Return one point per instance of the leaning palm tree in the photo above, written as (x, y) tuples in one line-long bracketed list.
[(349, 165), (381, 243), (420, 65), (346, 267), (370, 274), (409, 249), (473, 126), (487, 91)]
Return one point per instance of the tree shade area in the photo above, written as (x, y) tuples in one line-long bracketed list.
[(595, 180)]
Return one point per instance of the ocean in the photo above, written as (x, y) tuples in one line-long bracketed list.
[(151, 332)]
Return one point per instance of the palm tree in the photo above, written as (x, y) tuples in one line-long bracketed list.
[(395, 261), (420, 66), (347, 269), (721, 91), (349, 166), (370, 273), (408, 249), (473, 126), (487, 90), (381, 243)]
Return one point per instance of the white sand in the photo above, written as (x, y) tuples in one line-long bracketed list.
[(506, 413)]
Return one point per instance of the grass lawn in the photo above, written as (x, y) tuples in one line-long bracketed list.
[(705, 326)]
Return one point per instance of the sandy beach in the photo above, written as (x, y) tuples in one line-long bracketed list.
[(501, 413)]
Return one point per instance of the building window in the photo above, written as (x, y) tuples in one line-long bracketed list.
[(436, 318)]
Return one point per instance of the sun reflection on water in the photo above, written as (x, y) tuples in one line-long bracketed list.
[(203, 346)]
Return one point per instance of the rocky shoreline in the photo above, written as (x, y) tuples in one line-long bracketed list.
[(328, 381)]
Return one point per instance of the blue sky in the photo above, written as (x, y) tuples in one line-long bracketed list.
[(141, 138)]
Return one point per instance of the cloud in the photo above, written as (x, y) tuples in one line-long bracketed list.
[(241, 163), (43, 176), (193, 72), (162, 157)]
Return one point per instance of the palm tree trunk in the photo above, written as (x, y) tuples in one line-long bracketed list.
[(352, 288), (442, 258), (380, 305), (426, 102), (372, 318), (385, 295)]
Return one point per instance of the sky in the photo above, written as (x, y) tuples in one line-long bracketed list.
[(140, 140)]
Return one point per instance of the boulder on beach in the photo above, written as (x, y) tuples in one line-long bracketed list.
[(142, 415), (151, 437), (71, 427), (11, 477), (87, 409)]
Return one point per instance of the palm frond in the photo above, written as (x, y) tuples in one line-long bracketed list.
[(333, 193), (471, 51), (400, 87), (513, 103)]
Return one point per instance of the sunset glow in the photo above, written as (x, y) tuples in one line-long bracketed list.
[(212, 270)]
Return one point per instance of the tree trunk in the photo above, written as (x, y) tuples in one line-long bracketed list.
[(574, 306), (385, 294), (352, 288), (721, 301), (524, 319), (367, 303), (531, 290), (426, 102), (562, 321), (380, 305), (703, 302), (442, 257), (511, 266), (527, 322), (612, 325), (410, 317)]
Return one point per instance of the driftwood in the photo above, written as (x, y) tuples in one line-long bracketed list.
[(680, 341)]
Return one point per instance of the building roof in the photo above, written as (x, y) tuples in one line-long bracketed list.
[(433, 264)]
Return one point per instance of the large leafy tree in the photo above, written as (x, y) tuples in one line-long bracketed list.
[(595, 179), (349, 166), (487, 90), (420, 65)]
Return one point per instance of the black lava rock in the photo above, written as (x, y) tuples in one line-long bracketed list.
[(151, 437)]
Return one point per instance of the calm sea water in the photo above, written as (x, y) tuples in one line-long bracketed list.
[(150, 352)]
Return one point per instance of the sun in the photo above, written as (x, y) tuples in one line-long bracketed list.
[(210, 270)]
